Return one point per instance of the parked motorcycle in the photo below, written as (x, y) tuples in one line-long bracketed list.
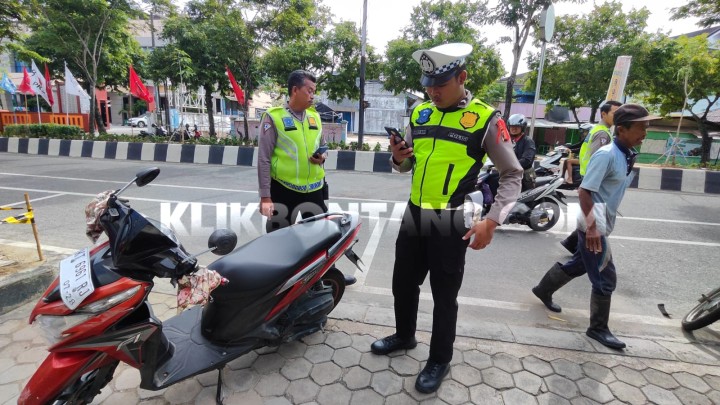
[(181, 134), (276, 288), (154, 131), (538, 208), (705, 313), (552, 165)]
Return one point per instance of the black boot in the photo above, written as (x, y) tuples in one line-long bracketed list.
[(430, 378), (392, 343), (551, 282), (599, 315), (570, 243)]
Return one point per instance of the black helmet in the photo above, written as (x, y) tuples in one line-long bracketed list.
[(517, 120)]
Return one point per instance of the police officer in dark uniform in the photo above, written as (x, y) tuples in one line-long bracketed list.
[(444, 145)]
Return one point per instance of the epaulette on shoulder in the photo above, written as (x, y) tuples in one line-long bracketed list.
[(481, 103)]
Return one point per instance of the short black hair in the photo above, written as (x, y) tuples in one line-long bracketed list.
[(605, 108), (297, 79)]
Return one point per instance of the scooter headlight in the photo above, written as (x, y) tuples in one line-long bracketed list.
[(109, 302), (52, 327)]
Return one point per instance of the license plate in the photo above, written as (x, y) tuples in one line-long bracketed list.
[(76, 279)]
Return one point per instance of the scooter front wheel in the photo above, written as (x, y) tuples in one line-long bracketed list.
[(705, 313), (85, 388), (335, 280), (544, 215)]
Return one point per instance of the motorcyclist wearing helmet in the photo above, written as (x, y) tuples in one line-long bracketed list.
[(524, 149)]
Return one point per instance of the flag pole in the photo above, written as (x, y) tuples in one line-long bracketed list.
[(37, 101), (67, 106), (27, 112), (14, 105)]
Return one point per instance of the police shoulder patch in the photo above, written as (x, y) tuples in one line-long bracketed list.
[(424, 116), (469, 119), (288, 123), (266, 126)]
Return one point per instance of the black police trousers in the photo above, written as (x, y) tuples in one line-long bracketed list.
[(289, 203), (429, 241)]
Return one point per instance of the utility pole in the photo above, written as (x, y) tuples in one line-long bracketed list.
[(361, 123), (547, 26)]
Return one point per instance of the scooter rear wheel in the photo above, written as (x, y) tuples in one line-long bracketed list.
[(336, 280), (705, 313), (544, 215)]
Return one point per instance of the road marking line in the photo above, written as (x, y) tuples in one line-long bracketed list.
[(472, 301), (511, 229), (36, 199), (671, 241), (370, 249), (516, 306), (673, 221), (28, 245), (185, 187)]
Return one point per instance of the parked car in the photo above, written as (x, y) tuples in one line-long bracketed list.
[(141, 121)]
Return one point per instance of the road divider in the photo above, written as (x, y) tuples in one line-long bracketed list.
[(646, 178)]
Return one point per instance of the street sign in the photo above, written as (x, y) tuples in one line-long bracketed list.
[(618, 79)]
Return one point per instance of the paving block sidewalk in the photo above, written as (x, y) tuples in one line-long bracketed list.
[(336, 367)]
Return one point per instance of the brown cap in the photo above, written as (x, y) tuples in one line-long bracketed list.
[(631, 113)]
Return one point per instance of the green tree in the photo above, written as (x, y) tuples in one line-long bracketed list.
[(581, 58), (521, 16), (215, 34), (12, 14), (693, 60), (436, 22), (707, 10), (333, 56), (91, 36)]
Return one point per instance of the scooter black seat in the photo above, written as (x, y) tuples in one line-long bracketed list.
[(276, 256), (541, 181)]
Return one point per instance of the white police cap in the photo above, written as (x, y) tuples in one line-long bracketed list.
[(438, 64)]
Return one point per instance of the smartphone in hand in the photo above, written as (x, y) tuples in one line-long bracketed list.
[(397, 138), (320, 151)]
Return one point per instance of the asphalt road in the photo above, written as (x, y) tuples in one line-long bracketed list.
[(665, 246)]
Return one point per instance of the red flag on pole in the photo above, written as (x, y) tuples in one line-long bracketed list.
[(137, 88), (48, 86), (25, 87), (239, 94)]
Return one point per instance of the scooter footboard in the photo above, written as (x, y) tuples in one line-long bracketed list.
[(57, 372)]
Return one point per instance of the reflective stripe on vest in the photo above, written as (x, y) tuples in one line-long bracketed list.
[(296, 142), (585, 154), (448, 156)]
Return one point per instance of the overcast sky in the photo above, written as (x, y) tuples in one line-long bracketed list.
[(386, 18)]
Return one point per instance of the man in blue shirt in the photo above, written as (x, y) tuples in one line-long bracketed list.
[(609, 173)]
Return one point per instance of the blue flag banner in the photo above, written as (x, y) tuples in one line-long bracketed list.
[(7, 85)]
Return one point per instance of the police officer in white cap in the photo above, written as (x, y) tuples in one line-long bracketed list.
[(444, 145)]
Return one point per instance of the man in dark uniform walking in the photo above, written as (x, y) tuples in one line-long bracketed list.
[(444, 145)]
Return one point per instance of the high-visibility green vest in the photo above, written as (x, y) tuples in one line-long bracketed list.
[(585, 154), (448, 153), (296, 142)]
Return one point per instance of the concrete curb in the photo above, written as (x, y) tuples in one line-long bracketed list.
[(26, 286), (646, 178)]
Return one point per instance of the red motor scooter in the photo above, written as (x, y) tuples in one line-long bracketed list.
[(278, 288)]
